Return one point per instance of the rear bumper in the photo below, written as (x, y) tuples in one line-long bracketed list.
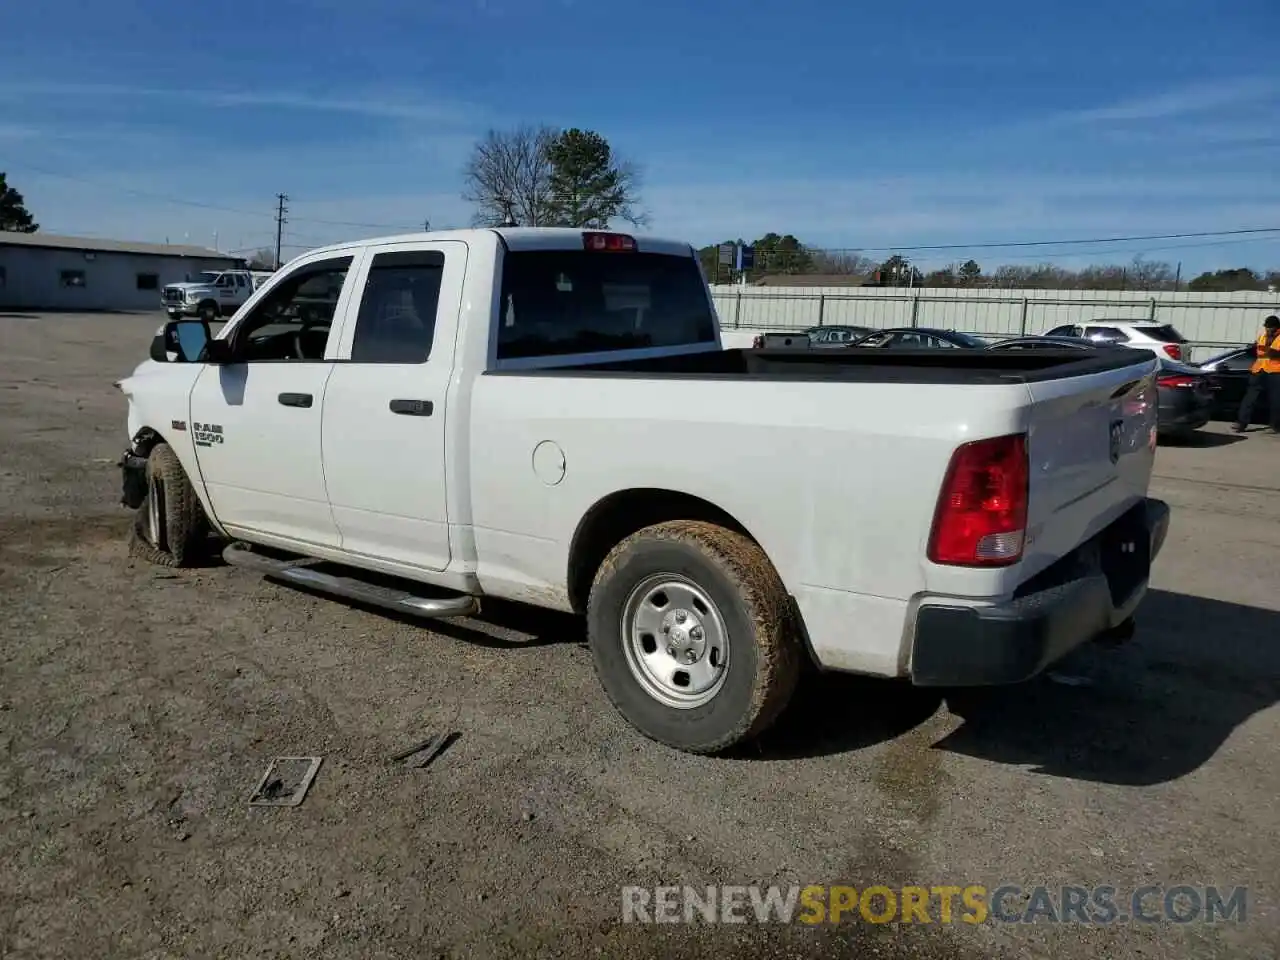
[(1183, 412), (1081, 598)]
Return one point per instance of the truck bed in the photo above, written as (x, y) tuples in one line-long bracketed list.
[(858, 366)]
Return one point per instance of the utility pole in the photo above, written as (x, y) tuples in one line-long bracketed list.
[(281, 210)]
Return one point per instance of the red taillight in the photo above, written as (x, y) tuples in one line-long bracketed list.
[(609, 242), (981, 519), (1177, 380), (1174, 350)]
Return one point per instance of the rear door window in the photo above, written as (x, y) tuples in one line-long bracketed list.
[(1166, 333), (397, 319), (1106, 335), (562, 302), (874, 340)]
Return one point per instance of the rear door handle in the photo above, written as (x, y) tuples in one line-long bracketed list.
[(295, 399), (413, 408)]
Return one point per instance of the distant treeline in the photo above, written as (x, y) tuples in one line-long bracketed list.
[(783, 254)]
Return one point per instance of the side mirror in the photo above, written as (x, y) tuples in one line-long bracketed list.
[(186, 338), (158, 352), (192, 342)]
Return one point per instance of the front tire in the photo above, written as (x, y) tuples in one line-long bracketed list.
[(170, 527), (209, 312), (692, 635)]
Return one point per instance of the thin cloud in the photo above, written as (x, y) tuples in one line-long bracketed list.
[(1181, 102), (10, 132), (374, 104)]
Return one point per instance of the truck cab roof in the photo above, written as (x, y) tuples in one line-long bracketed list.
[(522, 238)]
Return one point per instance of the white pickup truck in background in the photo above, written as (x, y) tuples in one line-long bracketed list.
[(548, 416), (209, 295)]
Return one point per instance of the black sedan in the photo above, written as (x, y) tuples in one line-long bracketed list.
[(919, 338), (839, 335), (836, 335), (1185, 394), (1231, 372)]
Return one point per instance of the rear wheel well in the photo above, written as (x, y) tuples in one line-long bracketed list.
[(621, 514)]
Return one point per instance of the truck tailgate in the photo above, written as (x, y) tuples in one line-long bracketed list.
[(1091, 447)]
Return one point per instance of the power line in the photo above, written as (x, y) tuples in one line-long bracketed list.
[(139, 193), (915, 248), (991, 245), (406, 228), (200, 204), (1103, 253)]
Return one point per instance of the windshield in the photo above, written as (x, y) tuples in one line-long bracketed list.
[(966, 339), (207, 276), (1046, 344), (560, 302)]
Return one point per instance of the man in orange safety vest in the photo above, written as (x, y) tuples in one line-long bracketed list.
[(1264, 375)]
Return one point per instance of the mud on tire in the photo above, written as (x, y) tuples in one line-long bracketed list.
[(170, 528), (719, 581)]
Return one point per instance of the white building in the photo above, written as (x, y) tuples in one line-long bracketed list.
[(41, 271)]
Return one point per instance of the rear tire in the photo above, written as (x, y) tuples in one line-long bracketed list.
[(170, 528), (692, 635)]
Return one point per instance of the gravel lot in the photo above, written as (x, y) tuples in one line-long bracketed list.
[(139, 707)]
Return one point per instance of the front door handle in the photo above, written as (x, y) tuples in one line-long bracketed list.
[(295, 399), (413, 408)]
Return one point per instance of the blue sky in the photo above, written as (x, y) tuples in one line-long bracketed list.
[(849, 125)]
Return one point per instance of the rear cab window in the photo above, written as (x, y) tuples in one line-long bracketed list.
[(558, 303)]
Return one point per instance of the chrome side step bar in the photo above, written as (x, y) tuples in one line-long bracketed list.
[(296, 572)]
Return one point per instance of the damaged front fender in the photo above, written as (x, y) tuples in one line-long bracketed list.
[(133, 468)]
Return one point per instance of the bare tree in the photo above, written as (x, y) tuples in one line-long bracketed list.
[(508, 177), (1150, 275), (843, 262), (263, 259)]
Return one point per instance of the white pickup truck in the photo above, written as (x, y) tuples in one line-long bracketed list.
[(547, 416), (209, 295)]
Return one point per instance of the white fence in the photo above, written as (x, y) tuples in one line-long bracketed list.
[(1207, 320)]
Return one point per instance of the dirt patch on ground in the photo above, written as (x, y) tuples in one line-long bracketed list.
[(139, 707)]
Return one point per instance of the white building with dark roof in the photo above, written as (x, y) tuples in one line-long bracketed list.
[(42, 271)]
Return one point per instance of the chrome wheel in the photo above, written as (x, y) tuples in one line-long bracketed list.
[(155, 507), (675, 641)]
